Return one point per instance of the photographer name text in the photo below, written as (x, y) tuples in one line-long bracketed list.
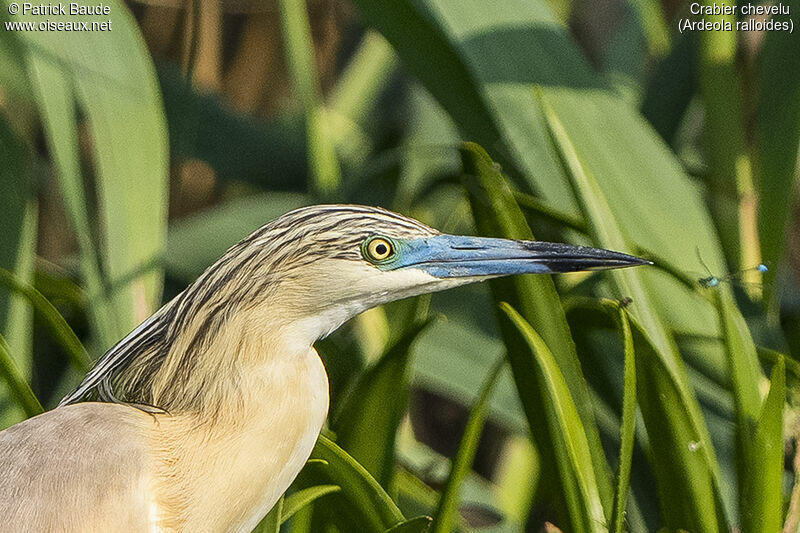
[(71, 9), (59, 17)]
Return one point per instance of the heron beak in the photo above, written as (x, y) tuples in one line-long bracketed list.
[(454, 256)]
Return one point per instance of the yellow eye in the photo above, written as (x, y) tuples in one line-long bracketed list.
[(379, 249)]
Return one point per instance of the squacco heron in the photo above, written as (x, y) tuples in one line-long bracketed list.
[(202, 416)]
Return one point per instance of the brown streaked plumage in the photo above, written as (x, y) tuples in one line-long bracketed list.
[(201, 417)]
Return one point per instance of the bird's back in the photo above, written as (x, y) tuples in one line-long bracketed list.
[(70, 459)]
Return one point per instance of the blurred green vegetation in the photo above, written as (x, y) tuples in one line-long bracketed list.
[(633, 400)]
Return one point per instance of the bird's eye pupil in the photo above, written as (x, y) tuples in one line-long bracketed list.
[(378, 249)]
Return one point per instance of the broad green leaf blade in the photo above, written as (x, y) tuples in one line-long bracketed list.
[(17, 249), (296, 501), (58, 327), (763, 510), (497, 214), (603, 226), (414, 495), (688, 482), (744, 366), (447, 511), (628, 430), (588, 317), (420, 524), (367, 424), (759, 430), (746, 376), (677, 450), (369, 507), (566, 424), (300, 59), (777, 138), (110, 76), (17, 384)]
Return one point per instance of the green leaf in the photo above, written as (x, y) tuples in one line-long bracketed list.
[(13, 77), (300, 58), (420, 524), (764, 498), (628, 430), (679, 452), (597, 327), (682, 453), (730, 176), (110, 76), (126, 121), (17, 248), (759, 430), (414, 496), (532, 204), (429, 155), (745, 370), (58, 327), (770, 356), (296, 501), (566, 426), (497, 214), (777, 138), (447, 511), (17, 384), (367, 505), (303, 521), (367, 423), (54, 95)]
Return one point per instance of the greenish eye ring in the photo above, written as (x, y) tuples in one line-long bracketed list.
[(377, 249)]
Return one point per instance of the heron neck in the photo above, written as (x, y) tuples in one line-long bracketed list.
[(210, 376), (248, 453)]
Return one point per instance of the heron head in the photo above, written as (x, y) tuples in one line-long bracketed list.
[(333, 262), (297, 279)]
